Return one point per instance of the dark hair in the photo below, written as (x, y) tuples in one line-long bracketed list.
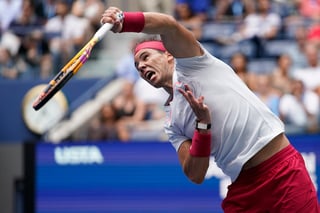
[(241, 54)]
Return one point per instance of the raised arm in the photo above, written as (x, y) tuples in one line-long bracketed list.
[(178, 40)]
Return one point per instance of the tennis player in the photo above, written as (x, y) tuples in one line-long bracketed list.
[(211, 113)]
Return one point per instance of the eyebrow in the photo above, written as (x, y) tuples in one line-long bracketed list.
[(140, 57)]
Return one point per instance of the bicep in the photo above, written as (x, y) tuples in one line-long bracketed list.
[(178, 40)]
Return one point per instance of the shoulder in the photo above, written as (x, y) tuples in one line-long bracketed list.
[(195, 60)]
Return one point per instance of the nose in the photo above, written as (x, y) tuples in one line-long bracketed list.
[(141, 67)]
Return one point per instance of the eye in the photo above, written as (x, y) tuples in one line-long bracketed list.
[(145, 57)]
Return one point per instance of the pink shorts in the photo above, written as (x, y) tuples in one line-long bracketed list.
[(280, 184)]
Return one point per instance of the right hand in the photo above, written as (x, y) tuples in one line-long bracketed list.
[(198, 106), (111, 15)]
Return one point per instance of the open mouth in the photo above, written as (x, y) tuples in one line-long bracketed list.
[(149, 75)]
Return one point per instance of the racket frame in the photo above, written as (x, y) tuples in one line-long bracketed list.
[(70, 69)]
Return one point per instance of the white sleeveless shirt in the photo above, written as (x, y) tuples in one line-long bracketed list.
[(241, 123)]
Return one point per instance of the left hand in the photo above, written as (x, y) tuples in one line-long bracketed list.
[(198, 106)]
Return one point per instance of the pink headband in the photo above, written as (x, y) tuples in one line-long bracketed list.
[(157, 45)]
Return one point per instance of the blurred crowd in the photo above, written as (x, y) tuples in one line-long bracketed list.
[(39, 36), (273, 45)]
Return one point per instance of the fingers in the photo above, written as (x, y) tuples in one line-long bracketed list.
[(198, 106), (113, 16), (200, 100), (188, 94)]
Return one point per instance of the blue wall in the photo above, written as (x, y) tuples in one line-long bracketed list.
[(12, 93), (133, 177)]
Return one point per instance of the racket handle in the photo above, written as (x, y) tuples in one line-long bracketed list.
[(102, 31)]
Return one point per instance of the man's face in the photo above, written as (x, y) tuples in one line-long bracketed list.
[(62, 8), (153, 66)]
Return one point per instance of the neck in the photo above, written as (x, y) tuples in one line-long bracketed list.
[(169, 90)]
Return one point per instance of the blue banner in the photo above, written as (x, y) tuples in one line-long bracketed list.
[(132, 178)]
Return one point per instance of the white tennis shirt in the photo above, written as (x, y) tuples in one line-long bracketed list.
[(241, 123)]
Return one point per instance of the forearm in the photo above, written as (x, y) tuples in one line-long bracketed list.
[(194, 154), (196, 168), (195, 163)]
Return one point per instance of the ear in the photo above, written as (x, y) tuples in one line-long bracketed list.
[(169, 56)]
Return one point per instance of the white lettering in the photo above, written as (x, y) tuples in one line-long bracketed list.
[(74, 155)]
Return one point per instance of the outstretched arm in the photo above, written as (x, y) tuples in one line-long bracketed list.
[(178, 40)]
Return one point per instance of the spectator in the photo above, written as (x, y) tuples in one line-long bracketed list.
[(239, 63), (8, 66), (309, 9), (300, 37), (9, 10), (259, 26), (33, 49), (152, 97), (64, 38), (129, 110), (104, 126), (27, 21), (45, 9), (120, 119), (310, 75), (310, 102), (10, 41), (281, 79), (263, 23), (189, 19), (127, 106), (314, 34), (287, 9), (199, 8), (78, 9), (92, 11), (299, 109), (266, 93), (162, 6), (233, 9), (151, 126)]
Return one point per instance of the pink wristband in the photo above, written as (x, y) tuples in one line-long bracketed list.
[(201, 144), (133, 22)]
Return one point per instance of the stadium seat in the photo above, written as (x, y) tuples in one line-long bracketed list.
[(274, 48), (215, 30), (261, 65)]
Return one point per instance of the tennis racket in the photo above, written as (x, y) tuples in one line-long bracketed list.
[(70, 69)]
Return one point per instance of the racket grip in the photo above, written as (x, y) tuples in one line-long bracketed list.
[(102, 31)]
